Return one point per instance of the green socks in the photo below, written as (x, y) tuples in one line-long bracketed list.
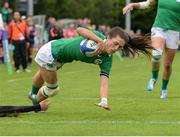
[(34, 90), (164, 84), (155, 74), (155, 77)]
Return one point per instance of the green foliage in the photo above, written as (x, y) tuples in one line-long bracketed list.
[(99, 12), (107, 12), (12, 3)]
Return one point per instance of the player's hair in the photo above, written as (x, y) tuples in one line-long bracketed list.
[(135, 45)]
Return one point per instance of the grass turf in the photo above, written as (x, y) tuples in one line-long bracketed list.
[(72, 112)]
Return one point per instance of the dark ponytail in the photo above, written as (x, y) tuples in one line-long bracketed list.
[(135, 45)]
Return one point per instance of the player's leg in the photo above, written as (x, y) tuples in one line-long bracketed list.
[(168, 59), (50, 87), (42, 58), (37, 84), (158, 42), (170, 51), (46, 74)]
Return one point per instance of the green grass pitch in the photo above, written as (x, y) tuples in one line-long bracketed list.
[(72, 112)]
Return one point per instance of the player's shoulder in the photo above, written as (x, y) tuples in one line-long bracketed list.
[(107, 58)]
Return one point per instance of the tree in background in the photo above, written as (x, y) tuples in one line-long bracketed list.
[(100, 12), (12, 3), (108, 12)]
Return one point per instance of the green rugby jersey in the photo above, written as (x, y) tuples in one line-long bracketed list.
[(168, 15), (68, 50)]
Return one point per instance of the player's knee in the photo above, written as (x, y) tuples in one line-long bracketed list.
[(50, 90), (156, 55), (168, 66)]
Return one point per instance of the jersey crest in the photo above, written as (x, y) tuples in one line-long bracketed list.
[(97, 61)]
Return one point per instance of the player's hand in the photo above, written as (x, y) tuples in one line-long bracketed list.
[(104, 106), (44, 104), (98, 51), (127, 8)]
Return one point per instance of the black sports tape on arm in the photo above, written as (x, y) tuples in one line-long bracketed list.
[(19, 109)]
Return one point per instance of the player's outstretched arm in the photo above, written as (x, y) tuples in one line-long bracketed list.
[(104, 81), (138, 5), (89, 35)]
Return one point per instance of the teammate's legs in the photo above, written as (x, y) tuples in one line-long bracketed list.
[(172, 38), (158, 43), (168, 60)]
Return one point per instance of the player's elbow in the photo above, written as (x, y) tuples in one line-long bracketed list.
[(80, 30)]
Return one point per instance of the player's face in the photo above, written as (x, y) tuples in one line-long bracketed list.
[(114, 44)]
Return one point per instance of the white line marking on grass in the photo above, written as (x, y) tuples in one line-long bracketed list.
[(94, 122), (112, 98), (19, 79), (73, 72), (79, 98), (78, 71)]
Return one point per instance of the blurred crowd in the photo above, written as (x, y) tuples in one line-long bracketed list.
[(66, 28), (22, 33)]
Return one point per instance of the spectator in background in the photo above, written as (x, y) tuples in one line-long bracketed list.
[(32, 33), (23, 18), (55, 32), (51, 24), (6, 12), (103, 29), (1, 54), (18, 34), (86, 23), (70, 32), (1, 49), (81, 23)]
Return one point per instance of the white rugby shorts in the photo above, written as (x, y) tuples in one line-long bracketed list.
[(45, 59), (171, 37)]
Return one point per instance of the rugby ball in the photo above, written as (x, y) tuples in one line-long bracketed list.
[(87, 47)]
